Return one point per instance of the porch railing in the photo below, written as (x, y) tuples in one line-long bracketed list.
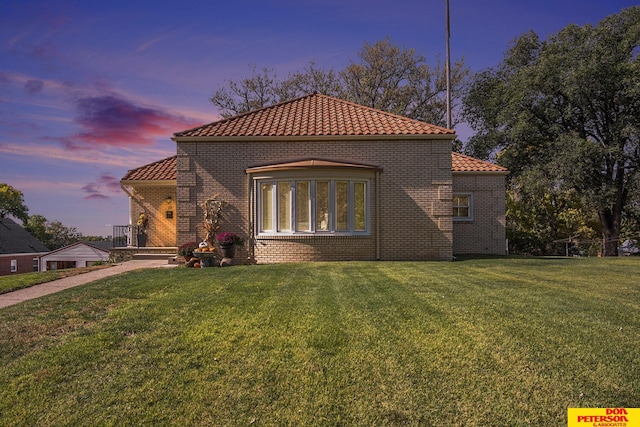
[(126, 236)]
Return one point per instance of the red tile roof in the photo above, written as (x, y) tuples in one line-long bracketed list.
[(463, 163), (162, 170), (166, 170), (316, 116)]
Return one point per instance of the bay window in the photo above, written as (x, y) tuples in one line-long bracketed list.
[(313, 206)]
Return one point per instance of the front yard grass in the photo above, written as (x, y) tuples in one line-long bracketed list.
[(14, 282), (485, 342)]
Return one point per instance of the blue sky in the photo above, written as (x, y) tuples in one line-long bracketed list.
[(90, 89)]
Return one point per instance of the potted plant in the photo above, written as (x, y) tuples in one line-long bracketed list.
[(143, 221), (186, 250), (227, 241)]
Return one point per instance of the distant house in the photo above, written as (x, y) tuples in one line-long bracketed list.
[(19, 250), (319, 178), (79, 254)]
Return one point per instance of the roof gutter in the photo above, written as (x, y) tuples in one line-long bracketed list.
[(147, 183), (505, 173), (449, 136)]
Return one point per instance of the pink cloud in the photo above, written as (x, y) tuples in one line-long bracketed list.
[(33, 87), (103, 188), (110, 120)]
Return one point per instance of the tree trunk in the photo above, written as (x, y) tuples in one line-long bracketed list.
[(610, 222), (611, 217)]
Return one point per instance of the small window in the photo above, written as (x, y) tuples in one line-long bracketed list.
[(14, 265), (303, 205), (284, 206), (463, 207), (266, 197), (322, 206), (342, 206)]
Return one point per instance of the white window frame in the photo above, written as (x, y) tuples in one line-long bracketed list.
[(14, 265), (470, 206), (312, 180)]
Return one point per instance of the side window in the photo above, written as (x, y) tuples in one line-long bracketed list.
[(463, 207)]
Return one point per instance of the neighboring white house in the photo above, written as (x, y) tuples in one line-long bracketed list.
[(80, 254)]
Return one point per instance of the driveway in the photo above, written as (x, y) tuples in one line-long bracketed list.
[(37, 291)]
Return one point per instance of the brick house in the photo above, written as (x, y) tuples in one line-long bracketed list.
[(319, 178), (19, 250)]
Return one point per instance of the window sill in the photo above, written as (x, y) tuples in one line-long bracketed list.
[(309, 236)]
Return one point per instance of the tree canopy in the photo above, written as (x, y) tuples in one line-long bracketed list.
[(53, 234), (567, 110), (12, 203), (385, 76)]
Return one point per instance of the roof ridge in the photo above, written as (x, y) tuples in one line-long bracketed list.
[(387, 113), (246, 113), (283, 119)]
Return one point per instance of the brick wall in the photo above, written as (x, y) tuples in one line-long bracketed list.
[(24, 262), (152, 200), (486, 233), (415, 197)]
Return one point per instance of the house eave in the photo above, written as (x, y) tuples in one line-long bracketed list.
[(337, 138), (310, 164), (505, 173), (15, 254)]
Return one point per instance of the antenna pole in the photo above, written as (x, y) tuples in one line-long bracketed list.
[(448, 70)]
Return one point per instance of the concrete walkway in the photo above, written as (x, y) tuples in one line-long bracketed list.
[(37, 291)]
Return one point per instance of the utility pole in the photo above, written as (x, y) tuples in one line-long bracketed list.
[(448, 69)]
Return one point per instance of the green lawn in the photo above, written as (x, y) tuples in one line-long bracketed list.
[(14, 282), (486, 342)]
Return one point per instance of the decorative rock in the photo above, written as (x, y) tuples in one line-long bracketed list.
[(226, 261)]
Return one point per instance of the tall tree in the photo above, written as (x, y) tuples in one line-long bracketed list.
[(310, 80), (36, 225), (253, 92), (400, 81), (386, 77), (12, 203), (568, 106), (53, 234), (59, 235)]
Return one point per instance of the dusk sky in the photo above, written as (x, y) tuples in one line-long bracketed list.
[(90, 89)]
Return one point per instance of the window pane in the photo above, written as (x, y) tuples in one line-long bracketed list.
[(284, 206), (342, 208), (322, 206), (302, 206), (266, 206), (360, 206), (461, 206)]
